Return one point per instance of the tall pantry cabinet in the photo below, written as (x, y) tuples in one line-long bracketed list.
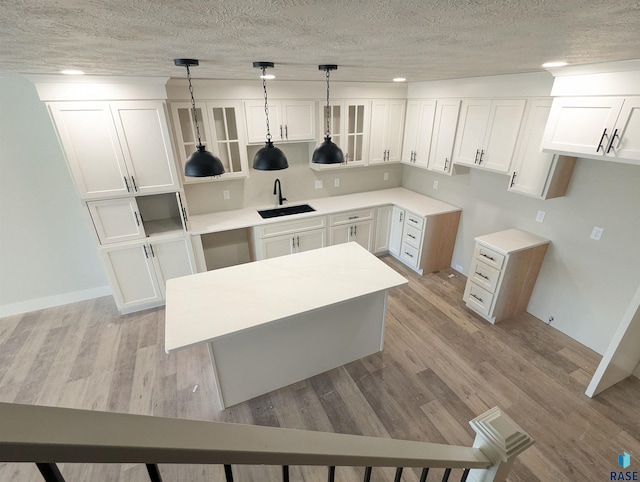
[(117, 144)]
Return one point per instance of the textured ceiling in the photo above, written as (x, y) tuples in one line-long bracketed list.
[(371, 40)]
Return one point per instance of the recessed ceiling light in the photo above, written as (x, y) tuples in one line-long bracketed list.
[(399, 79), (72, 72), (554, 64), (268, 76)]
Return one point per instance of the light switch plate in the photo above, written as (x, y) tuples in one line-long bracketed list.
[(318, 183), (540, 216), (596, 233)]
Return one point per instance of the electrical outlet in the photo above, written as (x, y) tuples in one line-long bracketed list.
[(336, 182), (386, 176), (225, 195), (435, 184), (319, 184), (540, 216), (551, 318), (596, 233)]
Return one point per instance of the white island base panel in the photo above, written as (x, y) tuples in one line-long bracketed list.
[(274, 322)]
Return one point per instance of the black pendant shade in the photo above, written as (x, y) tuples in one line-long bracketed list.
[(327, 153), (203, 164), (270, 158)]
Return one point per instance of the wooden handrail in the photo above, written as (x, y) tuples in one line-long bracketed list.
[(30, 433)]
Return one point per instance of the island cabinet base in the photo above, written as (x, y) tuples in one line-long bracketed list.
[(256, 361)]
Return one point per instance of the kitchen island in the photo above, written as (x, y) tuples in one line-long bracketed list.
[(278, 321)]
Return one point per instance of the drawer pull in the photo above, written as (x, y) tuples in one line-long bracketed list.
[(354, 217), (411, 236), (408, 254), (482, 276), (488, 257), (477, 298), (413, 220)]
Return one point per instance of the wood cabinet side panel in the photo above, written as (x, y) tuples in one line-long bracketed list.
[(560, 177), (439, 241)]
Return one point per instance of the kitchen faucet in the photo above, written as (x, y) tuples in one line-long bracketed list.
[(277, 187)]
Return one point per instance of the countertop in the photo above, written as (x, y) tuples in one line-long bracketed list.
[(206, 306), (511, 240), (247, 217)]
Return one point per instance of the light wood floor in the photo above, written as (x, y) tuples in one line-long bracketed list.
[(441, 366)]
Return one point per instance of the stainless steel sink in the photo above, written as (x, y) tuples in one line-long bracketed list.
[(285, 211)]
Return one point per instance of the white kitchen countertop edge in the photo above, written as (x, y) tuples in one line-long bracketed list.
[(511, 240)]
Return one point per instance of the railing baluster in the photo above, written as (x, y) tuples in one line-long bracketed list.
[(465, 474), (154, 472), (447, 472), (423, 475), (228, 473), (285, 473), (367, 474), (50, 472), (332, 473), (398, 475)]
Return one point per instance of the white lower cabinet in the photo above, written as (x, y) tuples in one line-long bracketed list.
[(395, 231), (351, 226), (503, 273), (382, 229), (280, 239), (139, 270)]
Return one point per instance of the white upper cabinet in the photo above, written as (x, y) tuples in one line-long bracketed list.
[(418, 131), (289, 120), (536, 173), (116, 148), (444, 135), (488, 133), (387, 122), (222, 131), (595, 127)]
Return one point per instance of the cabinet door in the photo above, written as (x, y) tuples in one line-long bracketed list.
[(362, 234), (185, 132), (383, 225), (503, 128), (411, 131), (277, 246), (444, 135), (423, 144), (257, 121), (116, 220), (339, 234), (228, 139), (395, 233), (357, 124), (90, 142), (309, 240), (474, 116), (172, 258), (395, 129), (336, 124), (531, 167), (581, 125), (132, 274), (146, 144), (298, 120), (387, 119), (626, 144)]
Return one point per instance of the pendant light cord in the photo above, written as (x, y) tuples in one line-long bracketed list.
[(266, 102), (328, 131), (193, 106)]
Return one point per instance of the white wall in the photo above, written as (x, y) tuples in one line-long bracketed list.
[(585, 285), (46, 253)]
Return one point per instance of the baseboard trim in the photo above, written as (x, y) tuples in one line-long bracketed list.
[(51, 301)]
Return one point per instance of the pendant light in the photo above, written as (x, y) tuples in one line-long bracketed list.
[(201, 163), (328, 152), (269, 158)]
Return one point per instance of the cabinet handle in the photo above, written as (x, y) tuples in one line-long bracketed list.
[(446, 161), (481, 154), (153, 254), (298, 241), (354, 217), (350, 231), (487, 256), (280, 131), (413, 220), (408, 254), (146, 254), (604, 133), (355, 230), (477, 298), (137, 219), (482, 276), (133, 181), (126, 183), (613, 137), (293, 243), (513, 178), (475, 161), (184, 214), (411, 236), (401, 215), (286, 131), (346, 157)]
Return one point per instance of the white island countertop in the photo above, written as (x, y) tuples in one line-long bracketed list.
[(206, 306), (248, 217)]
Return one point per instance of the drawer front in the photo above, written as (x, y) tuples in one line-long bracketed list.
[(488, 256), (478, 297), (414, 220), (278, 229), (484, 275), (409, 255), (351, 216), (412, 236)]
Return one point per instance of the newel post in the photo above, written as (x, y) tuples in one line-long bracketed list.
[(501, 440)]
